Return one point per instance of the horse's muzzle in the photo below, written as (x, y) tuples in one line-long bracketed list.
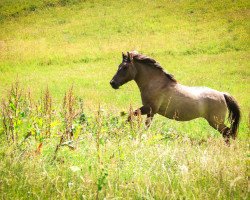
[(114, 84)]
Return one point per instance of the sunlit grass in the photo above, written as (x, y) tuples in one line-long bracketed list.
[(151, 168), (63, 43)]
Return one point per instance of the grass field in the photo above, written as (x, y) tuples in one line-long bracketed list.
[(57, 44)]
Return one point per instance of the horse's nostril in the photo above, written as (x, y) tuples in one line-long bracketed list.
[(114, 84)]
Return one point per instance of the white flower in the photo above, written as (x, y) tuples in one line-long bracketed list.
[(75, 168), (183, 169), (70, 184)]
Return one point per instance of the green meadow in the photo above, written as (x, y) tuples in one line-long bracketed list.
[(66, 137)]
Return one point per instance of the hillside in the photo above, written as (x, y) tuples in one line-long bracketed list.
[(57, 44)]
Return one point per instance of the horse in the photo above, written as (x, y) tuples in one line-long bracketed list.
[(162, 94)]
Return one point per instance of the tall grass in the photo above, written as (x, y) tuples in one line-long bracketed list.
[(62, 152)]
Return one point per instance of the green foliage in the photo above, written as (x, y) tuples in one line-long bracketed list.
[(102, 180), (103, 156)]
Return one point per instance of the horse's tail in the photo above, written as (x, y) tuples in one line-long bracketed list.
[(234, 114)]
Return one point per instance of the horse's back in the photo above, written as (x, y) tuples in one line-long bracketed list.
[(213, 102), (186, 103)]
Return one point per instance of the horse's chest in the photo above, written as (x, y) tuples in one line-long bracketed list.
[(149, 98)]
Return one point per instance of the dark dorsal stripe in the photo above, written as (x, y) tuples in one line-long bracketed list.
[(151, 62)]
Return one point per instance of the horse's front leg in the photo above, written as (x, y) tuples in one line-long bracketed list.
[(144, 110), (149, 120)]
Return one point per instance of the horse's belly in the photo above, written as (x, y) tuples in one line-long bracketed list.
[(179, 116), (181, 113)]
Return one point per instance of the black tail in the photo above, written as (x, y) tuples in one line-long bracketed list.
[(234, 114)]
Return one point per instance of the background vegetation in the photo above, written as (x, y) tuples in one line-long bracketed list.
[(57, 142)]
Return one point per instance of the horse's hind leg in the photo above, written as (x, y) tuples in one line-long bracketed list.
[(221, 127)]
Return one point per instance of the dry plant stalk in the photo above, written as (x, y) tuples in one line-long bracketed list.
[(58, 146), (47, 109), (99, 126), (70, 112), (10, 112), (7, 122), (131, 116), (139, 123), (135, 119)]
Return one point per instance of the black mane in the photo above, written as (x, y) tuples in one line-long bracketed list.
[(151, 62)]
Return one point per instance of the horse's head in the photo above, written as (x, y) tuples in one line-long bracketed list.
[(125, 73)]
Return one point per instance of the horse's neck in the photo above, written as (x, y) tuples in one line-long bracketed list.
[(148, 76)]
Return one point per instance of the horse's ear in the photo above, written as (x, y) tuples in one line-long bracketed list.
[(123, 57), (129, 58)]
